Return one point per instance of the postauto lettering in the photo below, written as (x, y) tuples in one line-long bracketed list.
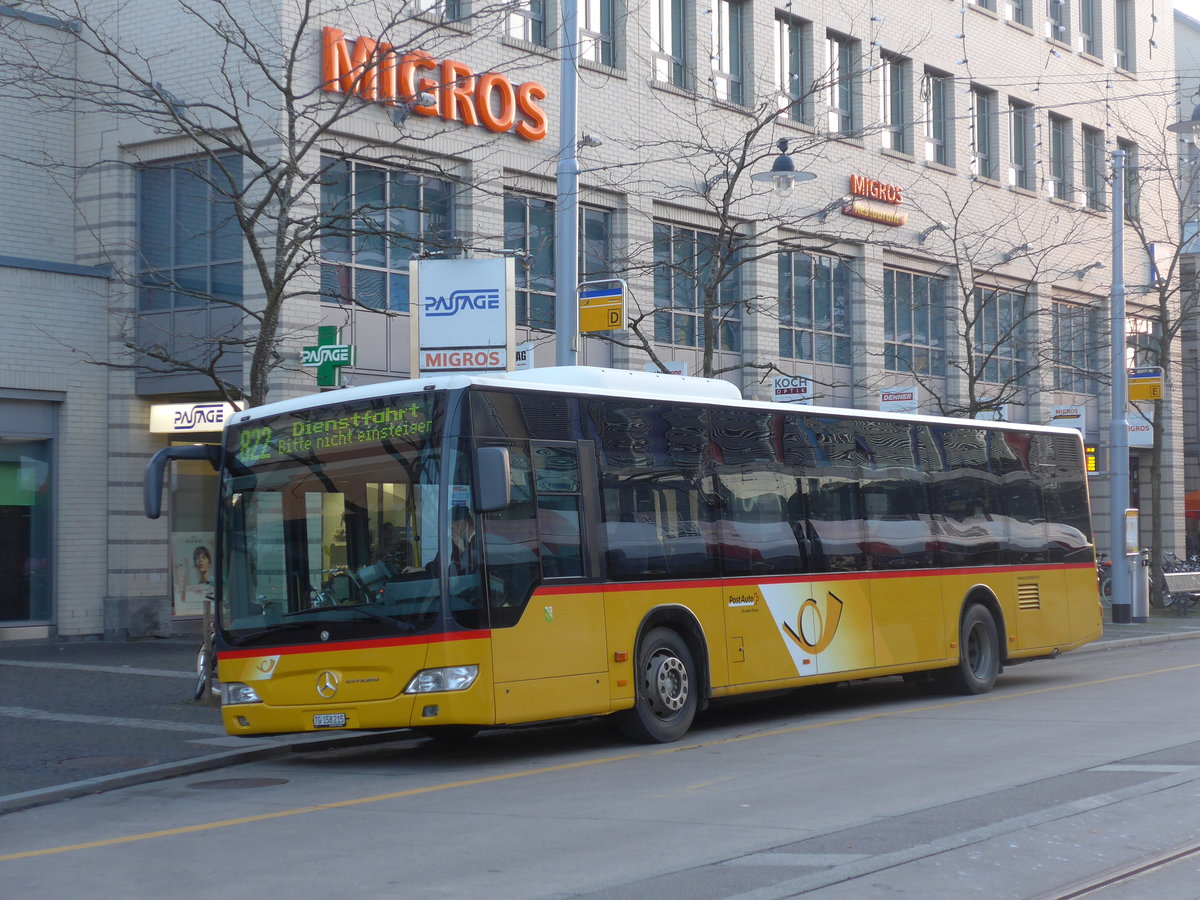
[(459, 301)]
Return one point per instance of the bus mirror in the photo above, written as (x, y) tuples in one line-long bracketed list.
[(492, 485), (152, 483)]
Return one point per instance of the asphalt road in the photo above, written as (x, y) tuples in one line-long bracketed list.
[(1069, 768)]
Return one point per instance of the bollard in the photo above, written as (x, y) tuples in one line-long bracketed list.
[(1139, 571)]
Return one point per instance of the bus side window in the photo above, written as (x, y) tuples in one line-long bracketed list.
[(556, 481)]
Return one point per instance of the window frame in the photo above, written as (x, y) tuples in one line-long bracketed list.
[(342, 243), (813, 333), (937, 96), (679, 319), (668, 42), (999, 334), (1095, 187), (164, 275), (597, 32), (1061, 175), (1022, 149), (842, 91), (526, 20), (1077, 329), (902, 350), (730, 21), (985, 152), (793, 76), (894, 94)]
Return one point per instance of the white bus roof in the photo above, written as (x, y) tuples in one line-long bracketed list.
[(599, 382)]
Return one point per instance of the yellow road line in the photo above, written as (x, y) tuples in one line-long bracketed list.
[(545, 770)]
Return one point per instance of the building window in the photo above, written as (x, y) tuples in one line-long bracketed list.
[(1142, 341), (894, 96), (1089, 27), (1061, 185), (791, 67), (1133, 181), (814, 308), (668, 30), (189, 241), (1020, 12), (936, 94), (683, 271), (914, 323), (999, 332), (1123, 34), (1023, 173), (984, 149), (842, 66), (1058, 23), (1077, 345), (986, 4), (596, 31), (527, 21), (529, 230), (374, 221), (447, 9), (1094, 168), (729, 47)]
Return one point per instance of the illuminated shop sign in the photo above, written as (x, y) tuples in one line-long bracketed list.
[(874, 192), (379, 73), (464, 315), (186, 418)]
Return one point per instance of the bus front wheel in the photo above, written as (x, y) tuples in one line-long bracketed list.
[(666, 689), (978, 654)]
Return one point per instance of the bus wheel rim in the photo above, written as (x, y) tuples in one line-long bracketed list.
[(669, 687)]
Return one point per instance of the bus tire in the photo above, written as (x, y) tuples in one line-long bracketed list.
[(666, 684), (978, 654)]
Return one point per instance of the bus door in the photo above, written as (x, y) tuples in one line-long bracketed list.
[(549, 645)]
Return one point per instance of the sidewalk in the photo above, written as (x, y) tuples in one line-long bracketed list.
[(88, 717)]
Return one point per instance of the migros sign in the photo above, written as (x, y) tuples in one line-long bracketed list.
[(378, 72)]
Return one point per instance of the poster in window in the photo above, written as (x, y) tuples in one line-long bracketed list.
[(192, 571)]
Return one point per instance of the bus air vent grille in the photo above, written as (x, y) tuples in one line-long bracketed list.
[(1029, 596)]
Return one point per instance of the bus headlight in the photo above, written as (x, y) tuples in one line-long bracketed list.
[(449, 678), (234, 692)]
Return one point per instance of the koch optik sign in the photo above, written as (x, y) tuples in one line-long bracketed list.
[(464, 315)]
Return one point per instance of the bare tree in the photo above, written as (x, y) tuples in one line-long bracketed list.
[(239, 92), (996, 272)]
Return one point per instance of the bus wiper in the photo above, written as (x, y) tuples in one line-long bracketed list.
[(366, 613)]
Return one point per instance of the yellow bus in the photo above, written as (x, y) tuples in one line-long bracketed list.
[(459, 552)]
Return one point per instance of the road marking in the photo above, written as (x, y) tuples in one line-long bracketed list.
[(111, 670), (1138, 767), (797, 860), (583, 764), (20, 712)]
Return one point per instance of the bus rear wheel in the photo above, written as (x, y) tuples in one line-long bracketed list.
[(978, 654), (665, 701)]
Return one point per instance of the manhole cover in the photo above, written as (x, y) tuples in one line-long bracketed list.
[(237, 784), (104, 762)]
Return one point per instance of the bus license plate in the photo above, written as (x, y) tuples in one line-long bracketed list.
[(329, 720)]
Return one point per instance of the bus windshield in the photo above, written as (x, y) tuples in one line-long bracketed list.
[(330, 523)]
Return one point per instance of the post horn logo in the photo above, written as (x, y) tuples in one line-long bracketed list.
[(814, 632), (327, 684)]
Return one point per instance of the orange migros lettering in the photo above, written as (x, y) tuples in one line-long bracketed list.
[(876, 190), (377, 72)]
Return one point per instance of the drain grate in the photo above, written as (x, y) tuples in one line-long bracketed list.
[(237, 784)]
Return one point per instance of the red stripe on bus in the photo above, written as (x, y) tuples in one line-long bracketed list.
[(374, 643)]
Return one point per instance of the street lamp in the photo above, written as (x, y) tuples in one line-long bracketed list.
[(783, 172), (1188, 129)]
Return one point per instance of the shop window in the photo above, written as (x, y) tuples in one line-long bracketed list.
[(26, 502)]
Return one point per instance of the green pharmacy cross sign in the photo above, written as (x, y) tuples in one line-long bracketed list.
[(328, 356)]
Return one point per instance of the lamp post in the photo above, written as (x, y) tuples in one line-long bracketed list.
[(566, 207), (1118, 463)]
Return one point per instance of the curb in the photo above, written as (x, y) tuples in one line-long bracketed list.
[(1138, 640), (103, 783)]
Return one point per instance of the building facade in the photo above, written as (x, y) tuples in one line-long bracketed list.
[(278, 167)]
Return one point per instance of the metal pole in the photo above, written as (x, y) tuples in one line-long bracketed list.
[(566, 211), (1118, 462)]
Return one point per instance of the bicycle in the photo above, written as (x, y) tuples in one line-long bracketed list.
[(1104, 579)]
